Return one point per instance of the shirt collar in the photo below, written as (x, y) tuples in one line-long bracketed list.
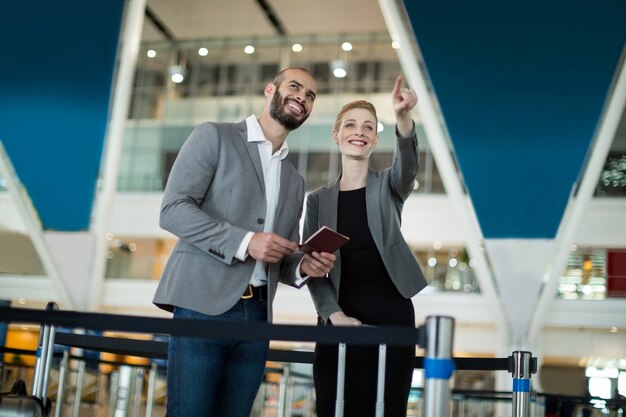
[(255, 134)]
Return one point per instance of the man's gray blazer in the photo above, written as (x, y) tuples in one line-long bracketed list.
[(385, 192), (215, 194)]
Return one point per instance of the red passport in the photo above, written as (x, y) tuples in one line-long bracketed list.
[(324, 240)]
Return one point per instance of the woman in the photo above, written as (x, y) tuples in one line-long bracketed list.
[(375, 273)]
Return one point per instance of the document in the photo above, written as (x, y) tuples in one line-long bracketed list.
[(324, 240)]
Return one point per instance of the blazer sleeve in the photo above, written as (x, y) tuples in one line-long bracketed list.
[(190, 178), (405, 165), (321, 289), (290, 263)]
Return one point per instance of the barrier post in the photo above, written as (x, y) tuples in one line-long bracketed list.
[(124, 390), (341, 353), (151, 388), (521, 383), (80, 381), (63, 369), (380, 388), (282, 393), (45, 350), (438, 365)]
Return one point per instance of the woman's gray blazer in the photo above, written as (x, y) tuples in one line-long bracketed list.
[(386, 192)]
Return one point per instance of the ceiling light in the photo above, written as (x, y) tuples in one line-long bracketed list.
[(177, 74), (296, 47), (338, 67), (346, 46), (151, 53), (249, 49), (203, 52), (380, 127), (339, 72), (395, 44)]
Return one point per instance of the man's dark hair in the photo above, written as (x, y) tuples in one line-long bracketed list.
[(281, 75)]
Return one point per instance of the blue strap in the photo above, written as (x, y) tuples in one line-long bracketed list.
[(439, 368), (521, 385)]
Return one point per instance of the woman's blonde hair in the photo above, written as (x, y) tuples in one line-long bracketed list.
[(358, 104)]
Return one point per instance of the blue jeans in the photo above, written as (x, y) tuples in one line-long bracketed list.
[(215, 377)]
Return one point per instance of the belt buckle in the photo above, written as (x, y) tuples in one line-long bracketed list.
[(248, 294)]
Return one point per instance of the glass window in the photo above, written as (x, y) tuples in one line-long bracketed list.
[(449, 270)]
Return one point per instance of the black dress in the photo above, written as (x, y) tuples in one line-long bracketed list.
[(368, 294)]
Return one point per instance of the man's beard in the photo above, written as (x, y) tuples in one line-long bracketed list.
[(277, 111)]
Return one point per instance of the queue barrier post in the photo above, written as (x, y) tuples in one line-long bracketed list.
[(151, 389), (438, 365), (521, 363), (45, 349), (61, 387)]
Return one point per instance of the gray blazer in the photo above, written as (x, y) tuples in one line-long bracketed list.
[(386, 192), (215, 194)]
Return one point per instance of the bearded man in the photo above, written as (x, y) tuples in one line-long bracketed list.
[(234, 201)]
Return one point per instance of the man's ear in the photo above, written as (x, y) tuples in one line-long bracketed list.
[(269, 90), (335, 136)]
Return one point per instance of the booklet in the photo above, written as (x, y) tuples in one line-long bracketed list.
[(324, 240)]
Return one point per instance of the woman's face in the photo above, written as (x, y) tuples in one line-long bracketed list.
[(357, 136)]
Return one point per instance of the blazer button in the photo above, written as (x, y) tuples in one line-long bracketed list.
[(260, 220)]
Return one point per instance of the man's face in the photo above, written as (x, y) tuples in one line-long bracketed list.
[(293, 99)]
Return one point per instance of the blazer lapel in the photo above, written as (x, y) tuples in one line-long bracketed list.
[(374, 220), (253, 151), (329, 203), (286, 171)]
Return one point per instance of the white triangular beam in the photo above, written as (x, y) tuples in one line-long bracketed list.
[(32, 222), (442, 153), (580, 198)]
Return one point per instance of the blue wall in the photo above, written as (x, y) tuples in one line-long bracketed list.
[(521, 86), (56, 71)]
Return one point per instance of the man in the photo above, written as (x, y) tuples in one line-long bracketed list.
[(235, 201)]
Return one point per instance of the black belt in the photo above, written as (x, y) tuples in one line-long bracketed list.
[(259, 293)]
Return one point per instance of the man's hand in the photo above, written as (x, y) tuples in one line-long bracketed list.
[(338, 318), (317, 264), (269, 247)]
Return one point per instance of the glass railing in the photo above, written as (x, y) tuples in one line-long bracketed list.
[(613, 176), (446, 270), (594, 274)]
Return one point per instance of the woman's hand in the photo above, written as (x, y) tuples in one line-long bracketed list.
[(317, 264), (338, 318), (403, 100)]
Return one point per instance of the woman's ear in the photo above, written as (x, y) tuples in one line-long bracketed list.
[(335, 136)]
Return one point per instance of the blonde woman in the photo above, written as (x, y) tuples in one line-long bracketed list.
[(375, 274)]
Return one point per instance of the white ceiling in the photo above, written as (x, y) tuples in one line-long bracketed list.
[(197, 19), (218, 19)]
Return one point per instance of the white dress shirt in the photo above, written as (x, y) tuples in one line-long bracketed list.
[(271, 174)]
